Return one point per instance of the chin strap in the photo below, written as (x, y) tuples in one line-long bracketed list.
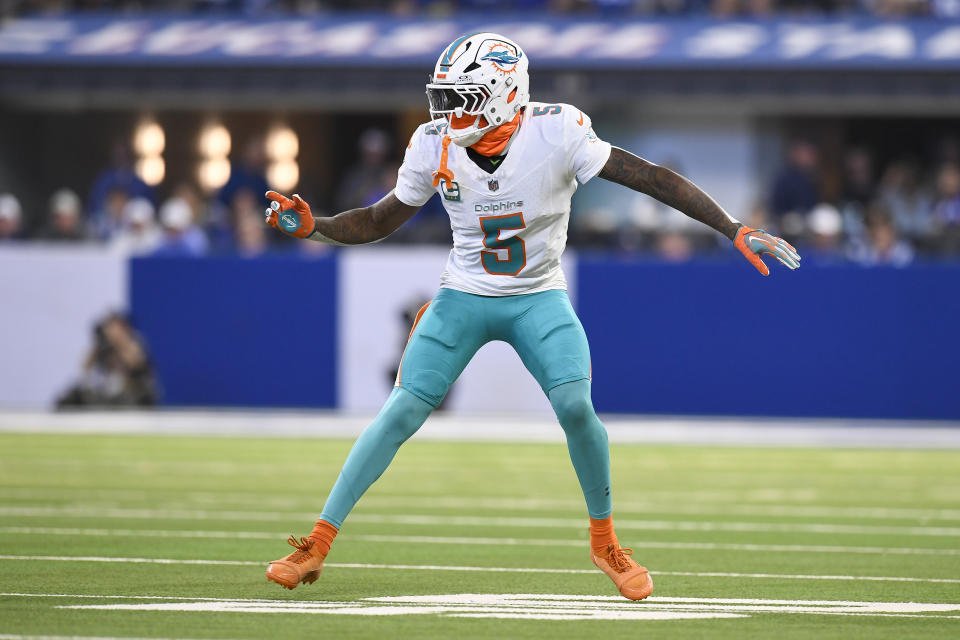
[(443, 173)]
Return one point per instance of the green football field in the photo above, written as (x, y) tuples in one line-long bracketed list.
[(168, 537)]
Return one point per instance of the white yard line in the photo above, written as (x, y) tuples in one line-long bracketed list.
[(501, 428), (230, 563), (545, 607), (528, 570), (710, 507), (788, 576), (146, 533), (544, 598), (475, 521), (656, 544), (20, 636), (519, 606), (155, 514), (696, 503), (457, 540), (656, 525), (127, 597)]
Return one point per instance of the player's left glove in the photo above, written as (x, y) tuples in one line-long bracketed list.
[(293, 217), (754, 243)]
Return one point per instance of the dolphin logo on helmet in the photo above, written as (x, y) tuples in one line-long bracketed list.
[(503, 59)]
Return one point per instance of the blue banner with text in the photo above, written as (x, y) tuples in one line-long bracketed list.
[(375, 40)]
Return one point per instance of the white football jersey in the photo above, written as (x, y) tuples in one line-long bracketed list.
[(509, 226)]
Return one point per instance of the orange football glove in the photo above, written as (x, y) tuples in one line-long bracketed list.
[(754, 243), (293, 217)]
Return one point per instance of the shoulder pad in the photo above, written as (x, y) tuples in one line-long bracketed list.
[(426, 140), (547, 119), (557, 122), (575, 119)]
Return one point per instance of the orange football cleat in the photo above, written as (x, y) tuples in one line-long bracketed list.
[(303, 565), (633, 581)]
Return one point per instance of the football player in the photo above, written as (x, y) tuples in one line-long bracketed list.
[(506, 169)]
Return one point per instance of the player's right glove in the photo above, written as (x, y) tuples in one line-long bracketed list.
[(293, 217), (754, 243)]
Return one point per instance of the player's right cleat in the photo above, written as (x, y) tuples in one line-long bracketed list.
[(303, 565), (633, 581)]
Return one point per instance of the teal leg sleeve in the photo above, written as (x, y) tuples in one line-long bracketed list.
[(587, 443), (371, 454)]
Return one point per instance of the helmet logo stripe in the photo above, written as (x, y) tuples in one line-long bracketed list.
[(448, 57)]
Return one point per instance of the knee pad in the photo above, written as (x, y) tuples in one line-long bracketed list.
[(403, 414), (572, 404)]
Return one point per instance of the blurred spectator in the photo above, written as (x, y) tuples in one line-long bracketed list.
[(945, 8), (119, 177), (225, 233), (64, 222), (947, 208), (946, 211), (198, 205), (117, 371), (881, 245), (10, 216), (858, 190), (674, 246), (901, 192), (596, 228), (825, 236), (895, 8), (731, 8), (364, 181), (108, 220), (758, 217), (251, 235), (247, 231), (858, 187), (794, 191), (181, 236), (247, 173), (139, 234)]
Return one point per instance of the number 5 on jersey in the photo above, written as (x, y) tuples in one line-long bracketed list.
[(516, 258)]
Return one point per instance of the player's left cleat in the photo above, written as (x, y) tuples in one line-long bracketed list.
[(303, 565), (633, 581)]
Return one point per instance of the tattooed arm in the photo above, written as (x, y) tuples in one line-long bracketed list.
[(672, 189), (356, 226), (363, 225), (669, 188)]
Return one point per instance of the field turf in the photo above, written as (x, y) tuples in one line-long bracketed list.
[(786, 543)]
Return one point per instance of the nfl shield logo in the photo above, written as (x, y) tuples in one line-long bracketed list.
[(494, 185)]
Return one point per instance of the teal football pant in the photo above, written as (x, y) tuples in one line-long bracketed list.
[(548, 337)]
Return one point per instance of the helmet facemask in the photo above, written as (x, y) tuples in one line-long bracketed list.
[(450, 102)]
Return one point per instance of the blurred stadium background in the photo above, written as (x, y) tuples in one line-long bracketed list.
[(137, 138)]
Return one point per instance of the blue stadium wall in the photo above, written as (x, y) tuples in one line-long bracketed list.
[(820, 341), (232, 331), (698, 338)]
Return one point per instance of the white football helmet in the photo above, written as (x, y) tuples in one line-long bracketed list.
[(482, 74)]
